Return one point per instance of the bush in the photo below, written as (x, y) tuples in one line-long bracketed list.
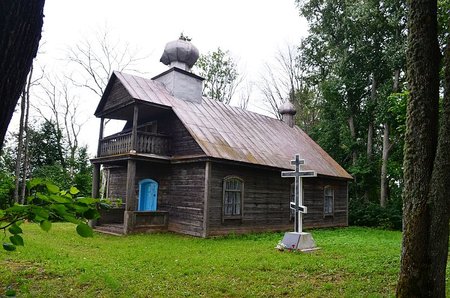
[(6, 190), (373, 215)]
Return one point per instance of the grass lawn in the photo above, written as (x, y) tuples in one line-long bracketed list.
[(353, 262)]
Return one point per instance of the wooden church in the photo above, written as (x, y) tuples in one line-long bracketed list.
[(188, 164)]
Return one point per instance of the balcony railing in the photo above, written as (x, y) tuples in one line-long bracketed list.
[(146, 143)]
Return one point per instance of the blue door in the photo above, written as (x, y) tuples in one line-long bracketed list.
[(148, 195)]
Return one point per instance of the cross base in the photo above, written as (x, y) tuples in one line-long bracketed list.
[(301, 241)]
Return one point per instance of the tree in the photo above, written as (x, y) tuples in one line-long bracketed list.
[(63, 107), (220, 73), (96, 58), (20, 31), (351, 57), (22, 157), (426, 162), (282, 79)]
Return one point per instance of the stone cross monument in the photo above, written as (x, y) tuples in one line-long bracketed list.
[(298, 239)]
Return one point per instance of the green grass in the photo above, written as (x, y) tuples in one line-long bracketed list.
[(353, 262)]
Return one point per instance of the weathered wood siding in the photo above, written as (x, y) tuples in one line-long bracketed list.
[(118, 95), (117, 183), (266, 198), (266, 201), (182, 142), (180, 192), (314, 200)]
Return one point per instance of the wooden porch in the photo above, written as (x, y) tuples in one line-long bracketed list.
[(146, 142), (111, 221)]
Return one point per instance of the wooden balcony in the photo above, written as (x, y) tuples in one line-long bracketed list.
[(146, 142)]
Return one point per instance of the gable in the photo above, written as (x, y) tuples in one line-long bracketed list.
[(115, 95)]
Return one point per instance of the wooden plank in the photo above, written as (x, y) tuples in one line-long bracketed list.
[(100, 136), (130, 200), (134, 129), (96, 181), (206, 196), (267, 197)]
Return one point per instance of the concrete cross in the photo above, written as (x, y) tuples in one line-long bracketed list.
[(298, 193)]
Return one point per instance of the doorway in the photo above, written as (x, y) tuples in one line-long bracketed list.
[(148, 195)]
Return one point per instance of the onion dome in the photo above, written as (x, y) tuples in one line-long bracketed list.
[(180, 53), (287, 108)]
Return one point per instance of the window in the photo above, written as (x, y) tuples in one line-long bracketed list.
[(328, 200), (233, 189)]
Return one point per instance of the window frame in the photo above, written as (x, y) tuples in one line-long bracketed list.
[(224, 191), (325, 212)]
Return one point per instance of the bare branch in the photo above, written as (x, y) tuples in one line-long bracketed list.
[(98, 58)]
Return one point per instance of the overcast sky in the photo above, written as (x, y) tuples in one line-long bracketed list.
[(252, 30)]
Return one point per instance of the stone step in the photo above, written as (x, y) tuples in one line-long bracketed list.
[(110, 229)]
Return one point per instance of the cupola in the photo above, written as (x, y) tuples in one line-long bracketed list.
[(287, 111), (180, 55)]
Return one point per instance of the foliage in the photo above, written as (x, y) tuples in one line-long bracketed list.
[(397, 112), (6, 189), (47, 203), (50, 159), (83, 172), (46, 147), (352, 262), (354, 59), (220, 73), (6, 178), (373, 215)]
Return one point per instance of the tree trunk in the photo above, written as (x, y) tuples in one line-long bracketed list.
[(387, 146), (19, 147), (370, 131), (440, 203), (384, 164), (20, 31), (423, 59), (26, 157), (351, 125)]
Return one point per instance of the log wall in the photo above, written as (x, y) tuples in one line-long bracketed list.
[(266, 201), (182, 142), (180, 192), (266, 198)]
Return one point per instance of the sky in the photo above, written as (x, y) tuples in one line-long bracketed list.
[(252, 30)]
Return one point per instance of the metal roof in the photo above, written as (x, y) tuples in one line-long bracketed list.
[(235, 134)]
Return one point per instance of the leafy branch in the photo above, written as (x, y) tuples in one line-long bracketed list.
[(47, 204)]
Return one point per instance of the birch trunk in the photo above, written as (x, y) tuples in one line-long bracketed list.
[(387, 146)]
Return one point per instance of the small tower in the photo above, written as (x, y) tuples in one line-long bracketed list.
[(180, 55), (287, 111)]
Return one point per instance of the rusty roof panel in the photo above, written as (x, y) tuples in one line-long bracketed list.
[(231, 133)]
